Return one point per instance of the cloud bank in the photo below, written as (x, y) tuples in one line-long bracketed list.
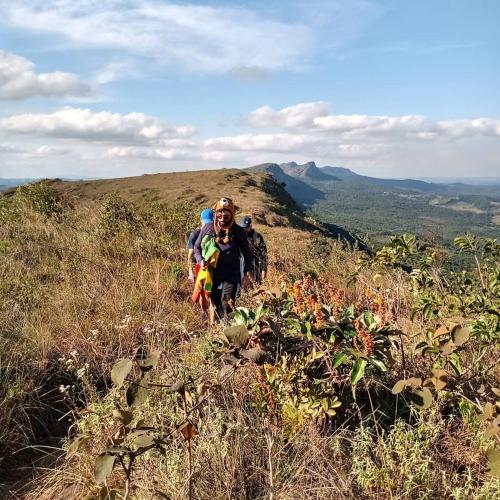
[(19, 80), (136, 142)]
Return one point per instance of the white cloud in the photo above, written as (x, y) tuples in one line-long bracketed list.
[(260, 142), (32, 152), (314, 117), (196, 37), (18, 80), (98, 126), (125, 144), (245, 41), (145, 153), (469, 128), (297, 116)]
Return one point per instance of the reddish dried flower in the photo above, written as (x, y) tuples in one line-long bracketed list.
[(365, 338)]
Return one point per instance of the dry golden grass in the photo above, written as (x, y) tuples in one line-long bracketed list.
[(88, 299)]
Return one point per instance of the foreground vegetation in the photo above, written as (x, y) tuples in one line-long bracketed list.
[(345, 376)]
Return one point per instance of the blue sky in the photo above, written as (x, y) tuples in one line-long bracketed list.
[(114, 87)]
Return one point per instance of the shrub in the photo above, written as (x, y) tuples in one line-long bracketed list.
[(41, 198)]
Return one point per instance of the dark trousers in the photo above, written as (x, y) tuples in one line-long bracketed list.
[(223, 297)]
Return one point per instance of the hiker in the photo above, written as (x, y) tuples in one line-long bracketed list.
[(258, 249), (206, 217), (218, 249)]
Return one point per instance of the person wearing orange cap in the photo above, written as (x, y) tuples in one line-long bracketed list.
[(232, 242)]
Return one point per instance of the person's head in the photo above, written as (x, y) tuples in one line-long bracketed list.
[(246, 223), (207, 216), (224, 212)]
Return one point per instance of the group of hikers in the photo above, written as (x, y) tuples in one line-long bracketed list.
[(224, 258)]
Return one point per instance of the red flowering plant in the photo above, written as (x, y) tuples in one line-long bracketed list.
[(315, 345)]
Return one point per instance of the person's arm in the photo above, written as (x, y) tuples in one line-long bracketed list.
[(197, 244), (190, 245), (263, 257), (190, 264)]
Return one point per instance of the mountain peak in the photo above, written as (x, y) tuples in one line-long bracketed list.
[(309, 170)]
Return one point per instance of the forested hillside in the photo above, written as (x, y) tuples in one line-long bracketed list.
[(375, 209)]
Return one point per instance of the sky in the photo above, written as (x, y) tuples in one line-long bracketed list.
[(113, 88)]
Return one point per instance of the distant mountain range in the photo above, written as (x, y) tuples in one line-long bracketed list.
[(375, 208), (363, 208), (11, 183), (310, 172)]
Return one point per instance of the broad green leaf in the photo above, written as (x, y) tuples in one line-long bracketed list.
[(421, 398), (237, 335), (378, 364), (460, 335), (123, 416), (75, 445), (137, 394), (358, 370), (399, 386), (369, 321), (143, 440), (258, 312), (150, 362), (493, 429), (255, 354), (240, 318), (455, 363), (103, 467), (120, 371), (414, 382), (338, 359), (439, 378), (448, 348)]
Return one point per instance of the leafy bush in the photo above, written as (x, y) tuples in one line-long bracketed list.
[(116, 215), (41, 198)]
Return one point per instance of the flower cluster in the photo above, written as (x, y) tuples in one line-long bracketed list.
[(364, 339), (66, 389), (333, 296), (125, 322), (94, 334), (376, 303), (72, 364), (310, 297)]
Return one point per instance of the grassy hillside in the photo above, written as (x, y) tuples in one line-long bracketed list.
[(255, 194), (342, 377)]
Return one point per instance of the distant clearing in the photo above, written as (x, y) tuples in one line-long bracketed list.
[(455, 204)]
